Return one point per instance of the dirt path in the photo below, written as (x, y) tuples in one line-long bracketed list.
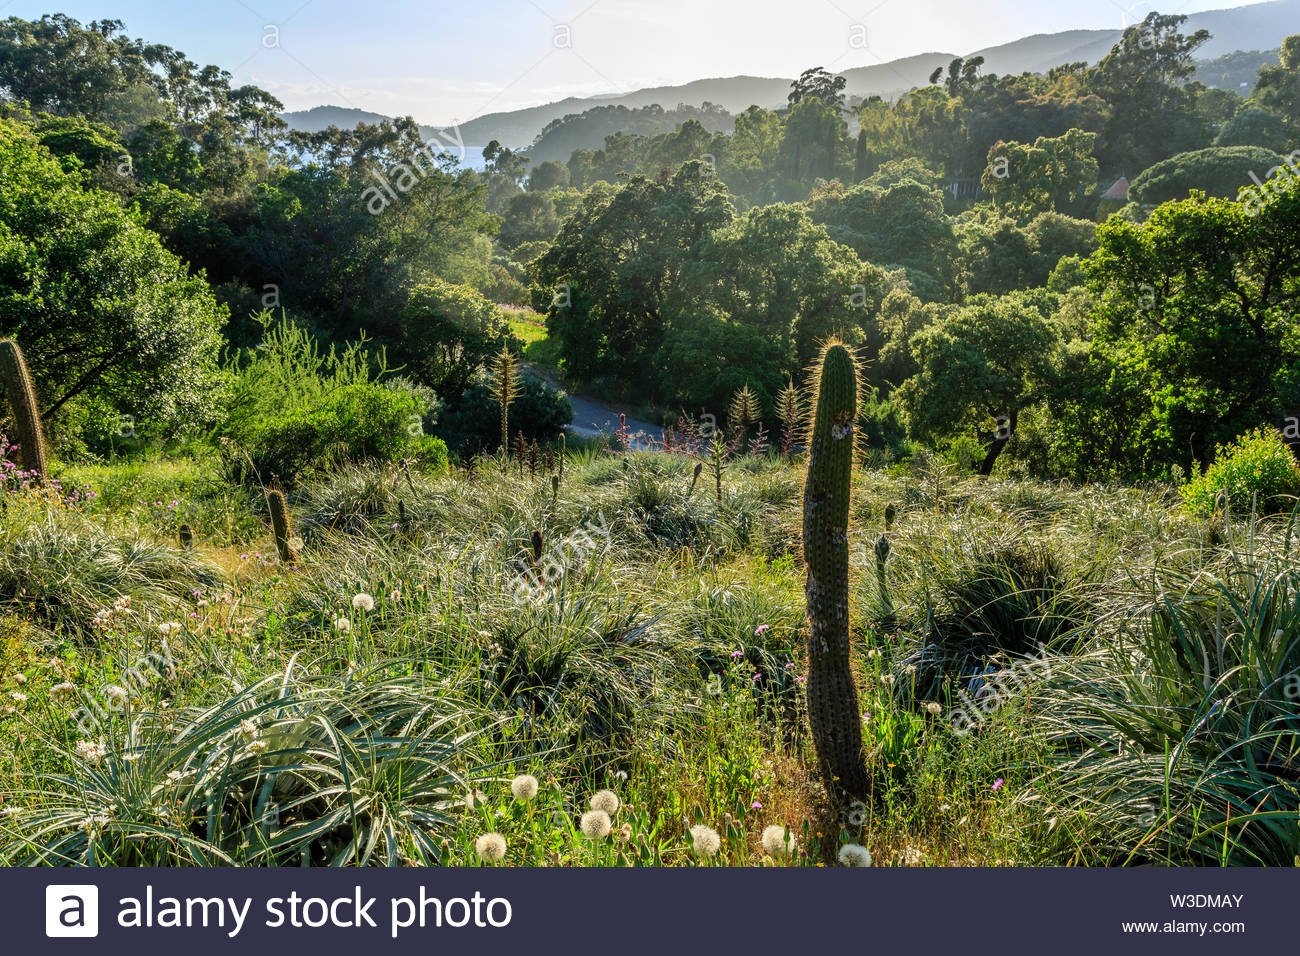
[(591, 417)]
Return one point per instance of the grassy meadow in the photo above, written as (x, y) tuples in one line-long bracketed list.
[(1048, 674)]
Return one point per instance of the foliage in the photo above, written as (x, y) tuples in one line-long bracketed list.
[(1257, 472), (1216, 171), (102, 310)]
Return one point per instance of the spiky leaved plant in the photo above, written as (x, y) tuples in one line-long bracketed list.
[(833, 712), (281, 524), (555, 488), (505, 389), (790, 410), (562, 454), (27, 416), (745, 408), (717, 457)]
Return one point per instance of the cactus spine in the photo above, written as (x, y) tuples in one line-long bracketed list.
[(22, 399), (833, 712), (281, 525)]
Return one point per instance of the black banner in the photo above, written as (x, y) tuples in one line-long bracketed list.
[(626, 912)]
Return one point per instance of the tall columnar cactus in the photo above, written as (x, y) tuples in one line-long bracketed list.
[(281, 525), (27, 416), (833, 713)]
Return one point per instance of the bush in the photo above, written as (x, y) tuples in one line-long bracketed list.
[(1256, 471), (356, 423)]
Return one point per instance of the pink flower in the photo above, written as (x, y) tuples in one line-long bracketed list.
[(761, 628), (756, 806), (737, 653), (997, 784)]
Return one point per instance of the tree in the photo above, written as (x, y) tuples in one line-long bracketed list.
[(818, 84), (447, 333), (1278, 88), (548, 175), (1195, 312), (528, 217), (979, 367), (1217, 171), (102, 310), (1144, 78), (753, 303), (1052, 175), (612, 266)]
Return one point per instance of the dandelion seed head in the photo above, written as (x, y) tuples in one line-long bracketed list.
[(606, 801), (778, 841), (595, 824), (490, 847), (342, 625), (852, 854), (705, 841), (363, 602), (524, 787)]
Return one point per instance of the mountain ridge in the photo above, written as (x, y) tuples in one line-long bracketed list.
[(1260, 27)]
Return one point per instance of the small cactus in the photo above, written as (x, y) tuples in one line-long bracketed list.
[(21, 393), (281, 525), (833, 711), (187, 537), (882, 558)]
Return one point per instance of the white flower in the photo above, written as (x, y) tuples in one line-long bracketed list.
[(131, 758), (18, 697), (20, 678), (248, 728), (363, 602), (606, 800), (93, 821), (778, 841), (524, 787), (342, 625), (705, 841), (933, 708), (851, 854), (115, 695), (59, 690), (175, 776), (395, 596), (887, 680), (169, 627), (912, 856), (595, 824), (620, 775), (256, 746), (91, 752), (490, 847)]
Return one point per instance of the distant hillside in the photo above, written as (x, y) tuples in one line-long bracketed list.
[(1259, 27)]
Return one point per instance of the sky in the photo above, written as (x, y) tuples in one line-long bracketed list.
[(448, 62)]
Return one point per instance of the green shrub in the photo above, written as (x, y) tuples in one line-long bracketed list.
[(356, 423), (1256, 471)]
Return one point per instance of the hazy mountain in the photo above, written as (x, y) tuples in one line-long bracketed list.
[(1259, 27)]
